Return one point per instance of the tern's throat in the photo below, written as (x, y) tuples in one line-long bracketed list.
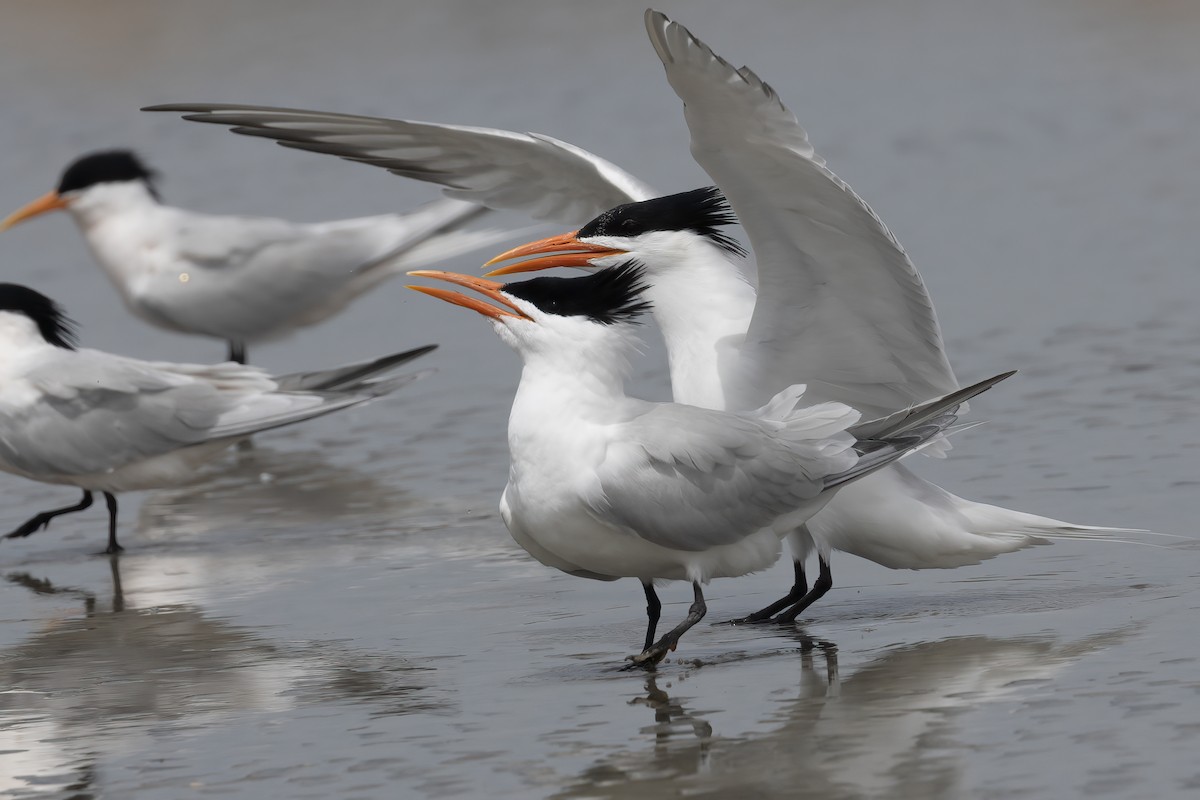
[(703, 307), (566, 385)]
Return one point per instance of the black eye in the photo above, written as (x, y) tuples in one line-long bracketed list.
[(629, 224)]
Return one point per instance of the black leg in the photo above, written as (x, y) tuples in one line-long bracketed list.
[(821, 585), (648, 658), (42, 520), (237, 351), (111, 501), (653, 611), (798, 591)]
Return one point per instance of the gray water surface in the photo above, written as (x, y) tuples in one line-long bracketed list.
[(341, 613)]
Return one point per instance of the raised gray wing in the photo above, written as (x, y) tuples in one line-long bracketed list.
[(840, 306), (690, 479), (542, 176)]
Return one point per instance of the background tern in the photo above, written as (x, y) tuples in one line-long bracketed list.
[(110, 424), (604, 486), (242, 279), (838, 305)]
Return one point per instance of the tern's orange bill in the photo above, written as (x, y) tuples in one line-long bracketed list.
[(563, 250), (51, 201), (490, 289)]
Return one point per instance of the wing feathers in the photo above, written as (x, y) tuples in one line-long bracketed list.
[(546, 178), (839, 303)]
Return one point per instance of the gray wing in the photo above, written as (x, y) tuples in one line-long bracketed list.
[(542, 176), (840, 305), (83, 412), (349, 376), (689, 478), (248, 278), (96, 412)]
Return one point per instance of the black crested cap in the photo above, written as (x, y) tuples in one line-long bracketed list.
[(701, 211), (108, 166), (56, 328), (607, 296)]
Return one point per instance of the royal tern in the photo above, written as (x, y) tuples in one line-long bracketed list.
[(605, 486), (109, 424), (241, 279), (839, 305)]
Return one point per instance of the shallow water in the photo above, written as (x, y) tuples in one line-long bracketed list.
[(340, 612)]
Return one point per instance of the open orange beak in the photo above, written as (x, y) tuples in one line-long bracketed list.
[(50, 201), (563, 250), (485, 287)]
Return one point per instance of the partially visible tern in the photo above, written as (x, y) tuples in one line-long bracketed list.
[(241, 279), (105, 423), (605, 486), (839, 304)]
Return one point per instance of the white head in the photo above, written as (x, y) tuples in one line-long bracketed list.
[(94, 185), (664, 234), (566, 323)]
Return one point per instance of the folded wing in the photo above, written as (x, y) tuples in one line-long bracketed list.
[(690, 479)]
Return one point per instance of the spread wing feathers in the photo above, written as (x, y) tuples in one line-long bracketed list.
[(690, 479), (542, 176), (840, 305), (248, 276), (86, 411), (350, 376)]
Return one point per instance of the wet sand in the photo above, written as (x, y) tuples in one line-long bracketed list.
[(340, 613)]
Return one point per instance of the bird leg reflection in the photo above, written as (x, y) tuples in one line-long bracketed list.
[(821, 585), (42, 520), (649, 657), (797, 593), (237, 351), (668, 713)]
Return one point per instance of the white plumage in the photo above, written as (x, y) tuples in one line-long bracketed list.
[(838, 306), (604, 486), (241, 279), (107, 423)]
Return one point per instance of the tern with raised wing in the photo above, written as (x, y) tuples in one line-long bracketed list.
[(839, 305), (110, 424), (241, 279), (605, 486)]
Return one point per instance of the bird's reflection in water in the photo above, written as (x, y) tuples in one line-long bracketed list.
[(90, 687), (268, 487), (878, 732), (296, 496)]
